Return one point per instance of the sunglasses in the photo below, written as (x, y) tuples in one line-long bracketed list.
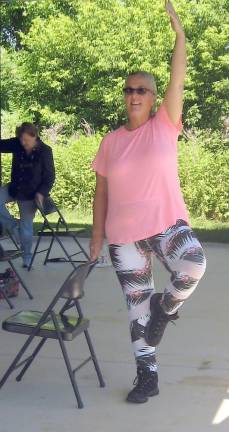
[(138, 90)]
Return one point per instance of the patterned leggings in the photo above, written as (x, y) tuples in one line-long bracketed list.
[(182, 255)]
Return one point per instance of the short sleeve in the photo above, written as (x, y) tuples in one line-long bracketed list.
[(163, 116), (99, 163)]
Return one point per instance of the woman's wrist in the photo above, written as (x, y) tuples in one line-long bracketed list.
[(180, 33), (97, 235)]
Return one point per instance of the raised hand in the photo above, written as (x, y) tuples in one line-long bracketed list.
[(174, 19)]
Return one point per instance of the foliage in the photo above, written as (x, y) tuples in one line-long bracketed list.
[(204, 176), (71, 58)]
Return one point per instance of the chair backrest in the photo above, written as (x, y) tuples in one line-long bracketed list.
[(73, 287), (47, 207)]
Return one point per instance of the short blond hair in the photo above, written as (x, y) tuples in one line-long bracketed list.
[(146, 75)]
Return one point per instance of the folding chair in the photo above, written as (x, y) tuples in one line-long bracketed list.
[(60, 326), (8, 256), (57, 233), (10, 236)]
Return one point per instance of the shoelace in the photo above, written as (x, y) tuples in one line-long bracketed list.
[(140, 382)]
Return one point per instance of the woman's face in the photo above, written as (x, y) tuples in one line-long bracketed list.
[(139, 106)]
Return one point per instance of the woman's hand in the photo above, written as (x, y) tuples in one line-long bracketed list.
[(96, 244), (174, 19)]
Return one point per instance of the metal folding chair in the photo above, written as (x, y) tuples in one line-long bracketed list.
[(57, 233), (8, 256), (10, 236), (53, 325)]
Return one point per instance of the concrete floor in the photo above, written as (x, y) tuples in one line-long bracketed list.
[(193, 360)]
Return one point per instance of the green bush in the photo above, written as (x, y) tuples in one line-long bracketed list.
[(204, 175), (75, 182)]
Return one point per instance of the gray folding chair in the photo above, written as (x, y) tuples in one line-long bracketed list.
[(8, 256), (57, 233), (53, 325)]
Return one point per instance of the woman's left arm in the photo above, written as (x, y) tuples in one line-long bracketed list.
[(174, 93)]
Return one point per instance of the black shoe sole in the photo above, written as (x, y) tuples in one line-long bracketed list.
[(154, 393)]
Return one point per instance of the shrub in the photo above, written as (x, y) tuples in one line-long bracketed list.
[(204, 175)]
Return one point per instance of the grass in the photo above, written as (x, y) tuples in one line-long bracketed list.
[(206, 230)]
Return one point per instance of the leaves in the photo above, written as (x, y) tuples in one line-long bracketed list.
[(203, 169), (73, 56)]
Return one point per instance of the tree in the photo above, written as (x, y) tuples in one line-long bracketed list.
[(73, 56)]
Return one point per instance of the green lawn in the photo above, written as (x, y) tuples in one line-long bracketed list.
[(207, 230)]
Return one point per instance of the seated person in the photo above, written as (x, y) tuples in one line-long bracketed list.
[(32, 177)]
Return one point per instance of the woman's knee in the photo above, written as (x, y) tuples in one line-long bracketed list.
[(195, 262)]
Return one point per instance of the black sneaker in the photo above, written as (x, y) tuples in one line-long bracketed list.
[(146, 385), (158, 321)]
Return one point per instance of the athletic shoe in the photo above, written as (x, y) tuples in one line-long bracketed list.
[(26, 261), (158, 321), (146, 384)]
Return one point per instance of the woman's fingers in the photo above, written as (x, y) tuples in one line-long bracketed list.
[(174, 19)]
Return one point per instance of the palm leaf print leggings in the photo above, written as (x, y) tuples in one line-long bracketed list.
[(182, 255)]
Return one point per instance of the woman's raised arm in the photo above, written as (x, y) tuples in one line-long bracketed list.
[(174, 94)]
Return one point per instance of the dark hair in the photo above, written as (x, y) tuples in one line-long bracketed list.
[(28, 128)]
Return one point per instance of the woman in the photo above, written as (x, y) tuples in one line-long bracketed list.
[(138, 203), (32, 177)]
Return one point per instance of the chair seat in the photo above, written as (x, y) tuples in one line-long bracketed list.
[(9, 255), (61, 233), (24, 322)]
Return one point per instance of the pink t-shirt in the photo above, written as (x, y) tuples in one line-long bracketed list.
[(141, 167)]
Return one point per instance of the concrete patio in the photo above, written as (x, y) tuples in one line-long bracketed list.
[(193, 360)]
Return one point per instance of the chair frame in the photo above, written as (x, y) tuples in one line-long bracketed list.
[(70, 302), (11, 237), (10, 255), (55, 235)]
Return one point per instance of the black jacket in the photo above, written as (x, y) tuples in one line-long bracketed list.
[(30, 173)]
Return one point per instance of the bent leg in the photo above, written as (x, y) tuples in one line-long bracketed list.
[(133, 268), (183, 255)]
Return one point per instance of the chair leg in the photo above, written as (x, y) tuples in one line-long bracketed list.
[(90, 346), (66, 253), (82, 249), (67, 362), (94, 359), (34, 253), (20, 280), (6, 299), (49, 250), (12, 239), (17, 358), (32, 357)]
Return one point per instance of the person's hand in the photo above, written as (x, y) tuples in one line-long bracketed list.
[(39, 197), (96, 244), (174, 19)]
